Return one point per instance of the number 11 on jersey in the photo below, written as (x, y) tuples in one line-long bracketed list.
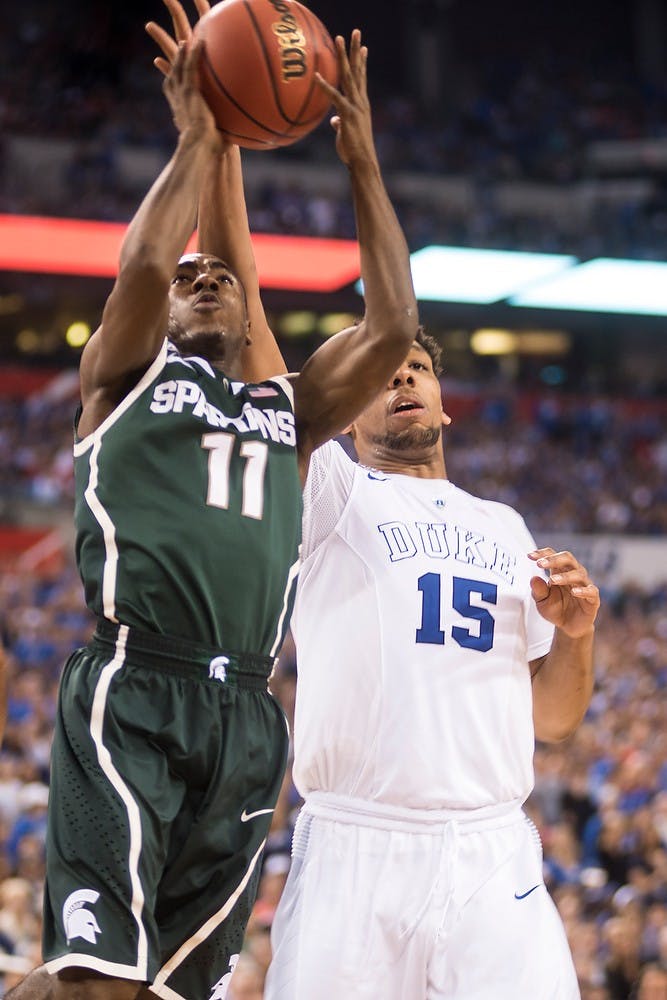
[(220, 446)]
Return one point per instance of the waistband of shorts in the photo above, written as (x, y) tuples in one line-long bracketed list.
[(362, 812), (180, 656)]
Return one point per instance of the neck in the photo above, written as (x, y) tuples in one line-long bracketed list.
[(430, 466), (212, 349)]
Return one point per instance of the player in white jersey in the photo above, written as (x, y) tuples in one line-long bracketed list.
[(430, 652)]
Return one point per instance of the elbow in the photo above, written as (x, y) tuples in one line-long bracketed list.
[(557, 730), (397, 329)]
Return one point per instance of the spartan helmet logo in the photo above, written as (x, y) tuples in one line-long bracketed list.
[(79, 922), (219, 991), (217, 668)]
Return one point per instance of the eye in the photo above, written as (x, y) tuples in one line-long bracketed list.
[(179, 277), (419, 365)]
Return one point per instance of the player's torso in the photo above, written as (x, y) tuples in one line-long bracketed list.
[(427, 686), (188, 509)]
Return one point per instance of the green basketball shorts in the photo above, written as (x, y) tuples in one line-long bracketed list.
[(167, 762)]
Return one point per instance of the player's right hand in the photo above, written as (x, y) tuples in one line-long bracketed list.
[(352, 121), (190, 111)]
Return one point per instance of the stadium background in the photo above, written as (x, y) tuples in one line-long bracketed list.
[(522, 127)]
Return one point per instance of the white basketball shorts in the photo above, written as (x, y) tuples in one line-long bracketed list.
[(411, 905)]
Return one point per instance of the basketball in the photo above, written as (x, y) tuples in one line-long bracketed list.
[(257, 70)]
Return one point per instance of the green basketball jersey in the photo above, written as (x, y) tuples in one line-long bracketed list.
[(188, 507)]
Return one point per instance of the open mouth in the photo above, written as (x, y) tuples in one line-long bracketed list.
[(207, 299), (405, 406)]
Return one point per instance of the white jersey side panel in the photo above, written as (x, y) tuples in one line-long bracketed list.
[(414, 627)]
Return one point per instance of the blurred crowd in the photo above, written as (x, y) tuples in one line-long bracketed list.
[(600, 800), (610, 454), (568, 463), (84, 74), (573, 463)]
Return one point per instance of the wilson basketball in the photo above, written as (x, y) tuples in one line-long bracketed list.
[(257, 71)]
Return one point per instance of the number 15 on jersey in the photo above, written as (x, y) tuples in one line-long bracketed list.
[(479, 635)]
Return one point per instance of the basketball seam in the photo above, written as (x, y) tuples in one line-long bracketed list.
[(238, 106), (267, 58), (313, 82)]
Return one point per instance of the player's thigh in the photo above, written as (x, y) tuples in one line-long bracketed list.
[(507, 940), (346, 922), (209, 885), (110, 803)]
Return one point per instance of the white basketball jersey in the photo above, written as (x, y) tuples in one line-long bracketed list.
[(414, 627)]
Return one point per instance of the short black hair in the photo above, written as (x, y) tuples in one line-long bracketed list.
[(432, 348)]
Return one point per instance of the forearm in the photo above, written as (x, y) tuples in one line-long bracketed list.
[(223, 218), (165, 220), (391, 306), (224, 231), (562, 686)]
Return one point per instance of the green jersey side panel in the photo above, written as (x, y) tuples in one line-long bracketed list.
[(188, 508)]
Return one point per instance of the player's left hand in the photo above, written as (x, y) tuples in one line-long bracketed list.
[(569, 599), (182, 32), (352, 121)]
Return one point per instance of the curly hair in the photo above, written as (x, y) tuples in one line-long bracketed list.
[(432, 348)]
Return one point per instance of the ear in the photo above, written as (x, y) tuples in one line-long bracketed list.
[(446, 419), (248, 338)]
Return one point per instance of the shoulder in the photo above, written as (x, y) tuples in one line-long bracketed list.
[(277, 386), (330, 469), (495, 509)]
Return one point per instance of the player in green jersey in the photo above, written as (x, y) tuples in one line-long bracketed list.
[(169, 751)]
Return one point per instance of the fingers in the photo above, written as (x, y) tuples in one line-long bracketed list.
[(539, 588), (182, 32), (191, 62), (351, 70), (565, 571), (352, 66), (165, 42), (179, 20), (176, 67)]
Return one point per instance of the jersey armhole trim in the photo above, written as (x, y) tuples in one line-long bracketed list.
[(286, 385), (82, 446)]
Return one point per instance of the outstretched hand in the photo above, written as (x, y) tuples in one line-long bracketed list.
[(182, 32), (189, 109), (352, 121), (569, 600)]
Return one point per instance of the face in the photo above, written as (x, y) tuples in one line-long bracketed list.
[(207, 308), (407, 415)]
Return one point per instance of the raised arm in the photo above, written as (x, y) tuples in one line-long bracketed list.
[(341, 378), (563, 679), (134, 320), (223, 228)]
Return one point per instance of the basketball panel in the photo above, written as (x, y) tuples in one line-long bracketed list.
[(287, 51)]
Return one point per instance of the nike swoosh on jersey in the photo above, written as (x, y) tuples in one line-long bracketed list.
[(523, 895), (258, 812)]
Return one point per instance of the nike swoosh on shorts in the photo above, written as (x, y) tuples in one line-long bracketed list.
[(258, 812), (522, 895)]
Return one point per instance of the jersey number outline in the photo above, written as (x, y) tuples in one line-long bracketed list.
[(430, 586), (220, 446)]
